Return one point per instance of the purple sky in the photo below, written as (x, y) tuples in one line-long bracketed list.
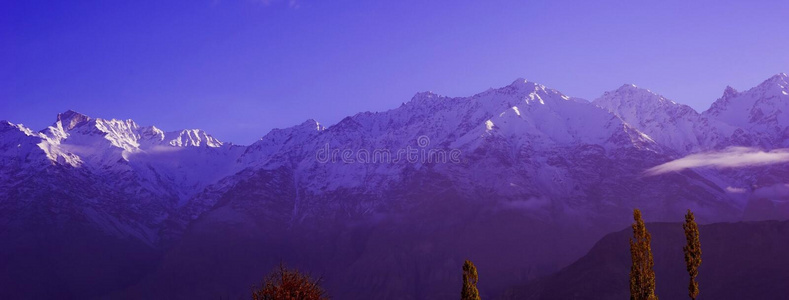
[(238, 68)]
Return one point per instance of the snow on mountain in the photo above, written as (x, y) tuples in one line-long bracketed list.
[(21, 145), (126, 162), (548, 115), (277, 140), (533, 164), (751, 118), (527, 117), (762, 112), (381, 187), (668, 123), (123, 145)]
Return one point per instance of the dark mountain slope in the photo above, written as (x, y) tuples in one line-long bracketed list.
[(746, 260)]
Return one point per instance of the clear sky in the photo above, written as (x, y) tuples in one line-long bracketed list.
[(238, 68)]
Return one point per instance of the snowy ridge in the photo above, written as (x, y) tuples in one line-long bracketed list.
[(523, 140), (534, 164), (75, 138), (763, 111), (756, 117), (132, 163), (670, 124)]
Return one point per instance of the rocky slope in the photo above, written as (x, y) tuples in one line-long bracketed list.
[(522, 179), (539, 172)]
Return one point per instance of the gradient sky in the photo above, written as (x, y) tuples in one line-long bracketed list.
[(238, 68)]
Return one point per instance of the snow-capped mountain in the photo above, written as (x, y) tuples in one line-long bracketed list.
[(408, 192), (752, 118), (755, 117), (668, 123), (183, 160), (534, 164), (133, 177), (762, 112)]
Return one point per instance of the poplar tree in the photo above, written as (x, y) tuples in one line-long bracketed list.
[(692, 253), (470, 279), (642, 273)]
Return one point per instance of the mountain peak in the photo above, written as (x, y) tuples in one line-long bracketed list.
[(780, 79), (629, 86), (7, 125), (776, 85), (630, 93), (729, 91), (70, 119), (664, 121), (311, 123), (761, 108), (192, 138), (522, 83), (519, 80), (779, 76)]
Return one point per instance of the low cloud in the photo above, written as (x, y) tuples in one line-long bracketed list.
[(732, 157), (163, 149), (736, 190)]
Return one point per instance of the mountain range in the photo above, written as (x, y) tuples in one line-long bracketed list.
[(520, 179)]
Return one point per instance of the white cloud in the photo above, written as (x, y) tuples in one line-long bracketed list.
[(732, 157), (163, 149), (736, 190)]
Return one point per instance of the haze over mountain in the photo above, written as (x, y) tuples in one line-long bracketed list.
[(536, 178)]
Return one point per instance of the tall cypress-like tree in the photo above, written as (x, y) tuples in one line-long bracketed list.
[(692, 252), (470, 279), (642, 273)]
